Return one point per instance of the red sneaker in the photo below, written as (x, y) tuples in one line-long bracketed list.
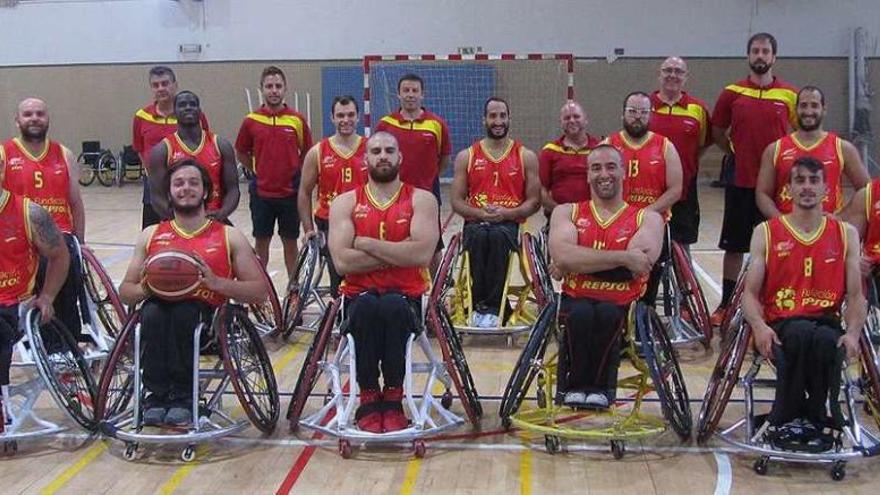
[(368, 415), (393, 418), (371, 422), (717, 317)]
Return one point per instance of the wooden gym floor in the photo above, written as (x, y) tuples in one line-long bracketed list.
[(485, 461)]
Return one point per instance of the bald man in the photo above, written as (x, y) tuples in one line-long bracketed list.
[(46, 172)]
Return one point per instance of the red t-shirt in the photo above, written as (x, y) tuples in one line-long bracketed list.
[(500, 182), (18, 255), (686, 125), (44, 179), (829, 151), (423, 142), (338, 173), (871, 241), (756, 116), (148, 128), (278, 142), (645, 179), (563, 170)]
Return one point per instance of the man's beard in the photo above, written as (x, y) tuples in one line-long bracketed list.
[(760, 69), (817, 122), (383, 176), (492, 135), (185, 209), (29, 135), (635, 130)]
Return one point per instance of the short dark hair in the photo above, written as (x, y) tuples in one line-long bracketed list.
[(495, 98), (635, 93), (761, 37), (162, 70), (187, 92), (809, 164), (606, 146), (272, 71), (410, 77), (343, 100), (811, 88), (189, 162)]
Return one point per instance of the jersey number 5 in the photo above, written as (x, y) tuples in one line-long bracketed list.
[(38, 179)]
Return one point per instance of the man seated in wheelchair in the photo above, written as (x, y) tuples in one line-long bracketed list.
[(804, 265), (495, 188), (229, 270), (605, 248), (28, 233), (382, 239)]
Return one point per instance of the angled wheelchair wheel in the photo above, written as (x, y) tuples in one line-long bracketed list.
[(869, 368), (116, 387), (267, 314), (728, 323), (691, 292), (86, 170), (542, 285), (443, 280), (301, 286), (249, 368), (665, 372), (453, 353), (106, 169), (525, 370), (64, 371), (102, 292), (723, 380), (308, 375)]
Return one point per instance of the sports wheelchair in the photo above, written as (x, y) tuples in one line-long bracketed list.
[(849, 440), (306, 290), (654, 368), (428, 414), (242, 361), (96, 162)]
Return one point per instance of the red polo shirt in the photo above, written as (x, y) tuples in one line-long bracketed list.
[(149, 128), (686, 124), (423, 142), (278, 142), (563, 170), (756, 116)]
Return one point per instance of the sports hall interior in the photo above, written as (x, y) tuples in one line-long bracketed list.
[(88, 59)]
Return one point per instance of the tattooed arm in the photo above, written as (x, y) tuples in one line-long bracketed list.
[(50, 244)]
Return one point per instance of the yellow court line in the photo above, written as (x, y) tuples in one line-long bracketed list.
[(525, 472), (68, 474), (411, 476)]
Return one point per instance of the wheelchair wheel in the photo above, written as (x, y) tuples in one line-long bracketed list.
[(106, 169), (65, 372), (86, 170), (249, 368), (722, 382), (450, 346), (693, 297), (538, 270), (665, 372), (301, 288), (116, 388), (730, 316), (525, 371), (308, 375), (267, 314), (443, 280), (870, 374), (101, 291)]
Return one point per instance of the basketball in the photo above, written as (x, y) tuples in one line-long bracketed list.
[(172, 274)]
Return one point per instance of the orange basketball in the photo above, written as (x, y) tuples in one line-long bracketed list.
[(172, 274)]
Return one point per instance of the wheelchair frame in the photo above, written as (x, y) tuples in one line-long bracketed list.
[(97, 163), (305, 288), (681, 289)]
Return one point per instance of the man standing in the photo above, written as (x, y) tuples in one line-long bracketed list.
[(749, 115), (273, 142)]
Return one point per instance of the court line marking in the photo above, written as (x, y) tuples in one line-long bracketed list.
[(411, 476), (724, 479), (708, 278), (525, 472), (68, 474)]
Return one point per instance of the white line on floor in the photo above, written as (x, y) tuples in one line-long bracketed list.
[(708, 278), (725, 478)]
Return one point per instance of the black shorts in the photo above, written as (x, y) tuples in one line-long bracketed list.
[(685, 222), (264, 212), (741, 215)]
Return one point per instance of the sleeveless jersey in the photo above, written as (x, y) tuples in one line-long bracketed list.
[(44, 179), (612, 234), (872, 214), (390, 222), (804, 276), (828, 150), (338, 173), (499, 181), (645, 167), (207, 154), (18, 255), (210, 242)]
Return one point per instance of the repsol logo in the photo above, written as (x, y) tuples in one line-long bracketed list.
[(8, 282), (604, 285), (817, 302)]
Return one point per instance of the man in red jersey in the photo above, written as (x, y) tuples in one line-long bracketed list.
[(749, 114), (804, 266), (605, 247), (839, 158), (495, 189), (272, 142), (684, 120), (229, 271), (212, 152), (863, 212), (562, 163), (46, 172), (153, 123), (335, 165), (424, 141), (382, 236)]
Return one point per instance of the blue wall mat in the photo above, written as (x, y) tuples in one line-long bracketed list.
[(335, 81)]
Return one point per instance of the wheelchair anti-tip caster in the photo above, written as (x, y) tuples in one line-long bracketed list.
[(760, 466), (419, 449), (130, 451), (446, 400), (552, 443), (838, 470), (345, 449), (10, 447), (188, 454), (618, 448)]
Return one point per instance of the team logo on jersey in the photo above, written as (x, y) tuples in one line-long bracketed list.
[(16, 162), (479, 163), (328, 160), (164, 236), (361, 210), (582, 223), (783, 248), (784, 299)]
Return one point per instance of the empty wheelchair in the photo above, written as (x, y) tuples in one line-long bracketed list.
[(95, 162), (429, 412), (307, 298), (653, 368), (131, 168), (228, 351)]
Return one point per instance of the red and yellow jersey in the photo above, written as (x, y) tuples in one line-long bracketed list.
[(338, 172), (207, 154), (563, 170), (686, 125), (828, 150), (18, 254), (871, 243), (210, 242), (498, 181), (44, 179), (149, 128), (423, 142), (645, 167), (612, 234), (389, 222), (804, 277)]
